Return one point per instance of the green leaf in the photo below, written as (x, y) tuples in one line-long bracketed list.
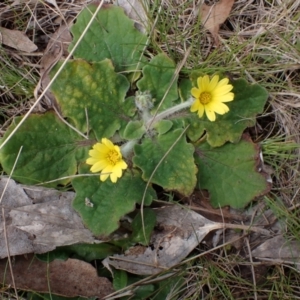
[(110, 201), (92, 96), (157, 76), (163, 126), (50, 150), (87, 252), (120, 279), (176, 171), (249, 100), (139, 227), (230, 173), (134, 130), (111, 35)]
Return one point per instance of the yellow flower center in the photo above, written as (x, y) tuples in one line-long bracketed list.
[(205, 97), (112, 157)]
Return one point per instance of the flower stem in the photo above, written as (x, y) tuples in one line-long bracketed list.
[(168, 112), (127, 148)]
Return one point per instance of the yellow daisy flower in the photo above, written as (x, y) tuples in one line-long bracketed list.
[(210, 95), (106, 157)]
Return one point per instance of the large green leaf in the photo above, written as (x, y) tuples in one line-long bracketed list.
[(108, 201), (177, 171), (249, 101), (230, 173), (111, 35), (93, 88), (157, 76), (50, 150)]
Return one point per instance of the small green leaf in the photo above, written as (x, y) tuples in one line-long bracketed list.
[(109, 201), (87, 252), (139, 227), (249, 100), (92, 96), (134, 130), (230, 173), (163, 126), (176, 171), (157, 76), (111, 35), (50, 151), (120, 279), (90, 252)]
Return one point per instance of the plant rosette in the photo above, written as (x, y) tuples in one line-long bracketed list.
[(115, 147)]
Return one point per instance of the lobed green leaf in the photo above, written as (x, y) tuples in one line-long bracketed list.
[(177, 171), (111, 35), (51, 150), (92, 96), (109, 201), (230, 173)]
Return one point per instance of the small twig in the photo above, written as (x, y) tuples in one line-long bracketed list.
[(247, 228)]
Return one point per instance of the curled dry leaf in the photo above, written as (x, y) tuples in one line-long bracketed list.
[(70, 278), (213, 16), (38, 220), (177, 233)]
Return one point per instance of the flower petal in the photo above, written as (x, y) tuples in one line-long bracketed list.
[(98, 166), (219, 91), (210, 114), (195, 106), (104, 177), (219, 108), (107, 143), (195, 92), (223, 82), (225, 98), (204, 83), (213, 83), (122, 165), (200, 110)]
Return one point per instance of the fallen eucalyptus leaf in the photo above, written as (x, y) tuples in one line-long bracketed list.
[(213, 16), (177, 233), (38, 220)]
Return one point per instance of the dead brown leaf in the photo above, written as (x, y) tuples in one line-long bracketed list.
[(38, 220), (213, 16), (68, 278), (17, 40), (178, 231), (278, 248)]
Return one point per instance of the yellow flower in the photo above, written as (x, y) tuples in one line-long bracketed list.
[(210, 95), (106, 157)]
